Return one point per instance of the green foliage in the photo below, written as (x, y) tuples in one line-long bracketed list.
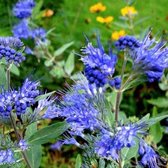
[(35, 152), (78, 161), (48, 133)]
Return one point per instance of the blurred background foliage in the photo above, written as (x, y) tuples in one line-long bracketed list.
[(66, 22)]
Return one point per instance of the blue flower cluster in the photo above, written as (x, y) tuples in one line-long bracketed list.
[(18, 100), (115, 82), (6, 157), (23, 145), (23, 8), (99, 66), (9, 49), (22, 30), (77, 109), (148, 156), (151, 58), (110, 144), (127, 42)]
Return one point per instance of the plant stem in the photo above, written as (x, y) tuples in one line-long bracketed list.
[(117, 106), (8, 77), (118, 100), (13, 123)]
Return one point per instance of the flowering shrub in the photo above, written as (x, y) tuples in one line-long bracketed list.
[(88, 114)]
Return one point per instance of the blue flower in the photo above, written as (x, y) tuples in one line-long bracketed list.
[(127, 42), (6, 157), (98, 65), (18, 100), (23, 8), (110, 144), (151, 58), (9, 49), (77, 109), (39, 33), (22, 30), (115, 82), (23, 145), (148, 155)]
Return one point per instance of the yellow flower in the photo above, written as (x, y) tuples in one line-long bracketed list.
[(48, 13), (117, 34), (99, 7), (106, 20), (128, 11)]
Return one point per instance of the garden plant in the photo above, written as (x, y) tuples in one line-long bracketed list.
[(92, 115)]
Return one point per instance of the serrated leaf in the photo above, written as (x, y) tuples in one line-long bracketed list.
[(62, 49), (156, 130), (78, 162), (161, 102), (69, 65), (48, 133)]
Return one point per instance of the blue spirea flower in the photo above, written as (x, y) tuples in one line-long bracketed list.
[(39, 33), (23, 145), (127, 42), (6, 157), (23, 8), (151, 58), (115, 82), (110, 144), (148, 155), (9, 49), (77, 109), (18, 100), (22, 30), (98, 65)]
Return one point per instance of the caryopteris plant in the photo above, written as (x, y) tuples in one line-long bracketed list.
[(95, 125)]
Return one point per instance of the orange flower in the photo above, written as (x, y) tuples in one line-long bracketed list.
[(99, 7), (128, 11), (106, 20), (48, 13), (117, 34)]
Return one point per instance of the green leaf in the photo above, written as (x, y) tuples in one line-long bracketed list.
[(78, 162), (34, 154), (69, 65), (156, 119), (44, 96), (144, 119), (141, 20), (48, 63), (62, 49), (101, 163), (15, 70), (156, 130), (161, 102), (122, 25), (48, 133), (57, 72), (3, 81)]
